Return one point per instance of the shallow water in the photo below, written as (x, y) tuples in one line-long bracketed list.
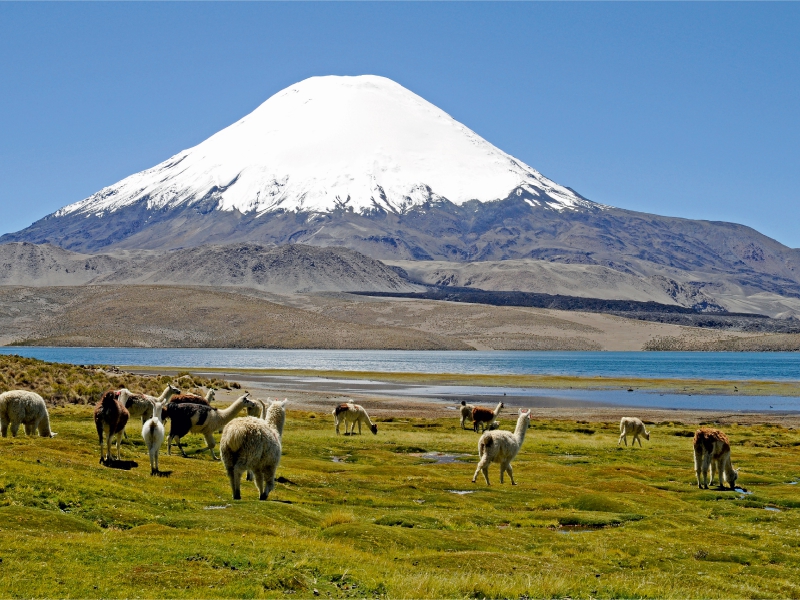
[(442, 458), (770, 366)]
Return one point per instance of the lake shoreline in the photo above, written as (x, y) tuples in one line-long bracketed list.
[(689, 387)]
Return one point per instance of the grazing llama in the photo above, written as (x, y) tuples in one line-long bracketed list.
[(351, 414), (501, 447), (21, 407), (483, 417), (253, 445), (634, 426), (712, 449)]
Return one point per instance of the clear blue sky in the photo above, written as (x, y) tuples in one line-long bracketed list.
[(680, 109)]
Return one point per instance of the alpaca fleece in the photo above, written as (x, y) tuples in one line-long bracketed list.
[(633, 426), (21, 407), (253, 445), (501, 447)]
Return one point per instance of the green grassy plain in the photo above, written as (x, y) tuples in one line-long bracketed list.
[(587, 519)]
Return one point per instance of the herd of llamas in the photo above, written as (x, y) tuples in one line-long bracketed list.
[(252, 444)]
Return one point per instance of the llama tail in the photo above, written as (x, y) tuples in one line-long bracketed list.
[(484, 444)]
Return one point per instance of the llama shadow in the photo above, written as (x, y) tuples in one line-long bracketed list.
[(283, 480), (123, 465), (162, 473)]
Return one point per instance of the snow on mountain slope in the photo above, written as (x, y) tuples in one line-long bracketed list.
[(332, 142)]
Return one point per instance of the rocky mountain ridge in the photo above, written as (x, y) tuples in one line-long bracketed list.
[(285, 269)]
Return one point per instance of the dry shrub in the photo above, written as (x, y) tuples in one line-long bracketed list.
[(61, 384)]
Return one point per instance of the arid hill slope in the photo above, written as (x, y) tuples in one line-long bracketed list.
[(284, 269)]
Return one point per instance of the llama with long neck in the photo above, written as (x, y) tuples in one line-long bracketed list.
[(502, 447)]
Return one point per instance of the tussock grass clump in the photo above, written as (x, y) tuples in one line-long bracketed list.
[(61, 384)]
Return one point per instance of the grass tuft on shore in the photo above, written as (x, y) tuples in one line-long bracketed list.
[(61, 384)]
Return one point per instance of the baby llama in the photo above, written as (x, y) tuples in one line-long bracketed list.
[(253, 445), (501, 447), (153, 435), (27, 408), (198, 418), (351, 414), (110, 418)]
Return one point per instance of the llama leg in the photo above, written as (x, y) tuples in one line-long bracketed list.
[(359, 427), (28, 428), (269, 480), (261, 484), (704, 467), (619, 441), (211, 443), (235, 478), (510, 472), (119, 442), (180, 447), (4, 427), (483, 465), (715, 471), (14, 428), (698, 462), (636, 438), (109, 441)]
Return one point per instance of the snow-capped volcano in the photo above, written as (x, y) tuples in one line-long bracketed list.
[(331, 142)]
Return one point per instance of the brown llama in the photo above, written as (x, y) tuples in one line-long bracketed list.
[(110, 418), (481, 417), (713, 449)]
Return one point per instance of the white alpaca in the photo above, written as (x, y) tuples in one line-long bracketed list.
[(153, 435), (466, 413), (501, 447), (198, 418), (27, 408), (634, 426), (259, 411), (253, 445), (351, 414)]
